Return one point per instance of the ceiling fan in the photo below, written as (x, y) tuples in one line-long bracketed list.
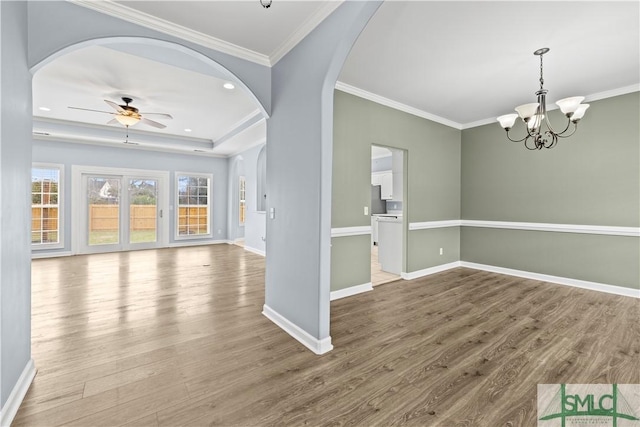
[(128, 115)]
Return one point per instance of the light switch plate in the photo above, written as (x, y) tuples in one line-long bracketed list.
[(366, 210)]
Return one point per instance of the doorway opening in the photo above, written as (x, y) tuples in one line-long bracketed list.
[(387, 214)]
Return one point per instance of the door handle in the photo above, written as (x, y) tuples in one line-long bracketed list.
[(160, 213)]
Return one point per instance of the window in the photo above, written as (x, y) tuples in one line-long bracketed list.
[(242, 206), (193, 205), (261, 201), (46, 197)]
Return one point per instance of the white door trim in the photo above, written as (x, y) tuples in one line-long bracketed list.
[(78, 209)]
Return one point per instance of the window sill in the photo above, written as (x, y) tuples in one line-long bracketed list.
[(193, 236)]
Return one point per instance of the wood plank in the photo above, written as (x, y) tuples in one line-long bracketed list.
[(176, 337)]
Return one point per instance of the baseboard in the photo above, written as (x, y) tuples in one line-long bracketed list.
[(10, 408), (40, 255), (352, 290), (593, 286), (255, 251), (198, 243), (431, 270), (312, 343)]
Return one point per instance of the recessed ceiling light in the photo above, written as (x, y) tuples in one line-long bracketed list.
[(44, 108), (228, 85), (187, 130)]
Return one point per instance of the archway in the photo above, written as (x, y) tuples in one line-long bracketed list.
[(162, 51), (300, 177), (156, 56), (237, 200)]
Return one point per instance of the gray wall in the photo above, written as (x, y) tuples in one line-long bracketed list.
[(299, 173), (432, 187), (30, 32), (15, 161), (254, 228), (592, 178), (70, 154)]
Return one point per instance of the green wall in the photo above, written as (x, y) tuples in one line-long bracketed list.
[(432, 190), (350, 260), (591, 178)]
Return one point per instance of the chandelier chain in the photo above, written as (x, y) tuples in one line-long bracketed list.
[(541, 78)]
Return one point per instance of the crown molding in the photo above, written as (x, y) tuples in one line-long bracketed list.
[(126, 13), (613, 92), (478, 123), (395, 105), (462, 126), (304, 29), (240, 126), (589, 98), (40, 123)]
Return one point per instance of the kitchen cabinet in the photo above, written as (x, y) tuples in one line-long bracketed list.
[(390, 244), (385, 181), (386, 191)]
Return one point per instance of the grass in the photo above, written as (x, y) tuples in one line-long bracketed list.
[(47, 237), (108, 237)]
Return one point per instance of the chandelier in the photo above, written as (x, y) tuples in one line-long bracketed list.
[(534, 116)]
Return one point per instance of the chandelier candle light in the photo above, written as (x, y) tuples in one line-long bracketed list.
[(535, 114)]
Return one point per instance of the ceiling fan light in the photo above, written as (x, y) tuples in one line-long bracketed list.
[(527, 111), (507, 120), (569, 105), (579, 113), (126, 120)]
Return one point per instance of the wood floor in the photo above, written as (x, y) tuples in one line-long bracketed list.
[(176, 337)]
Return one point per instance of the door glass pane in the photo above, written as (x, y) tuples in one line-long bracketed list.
[(143, 196), (103, 198)]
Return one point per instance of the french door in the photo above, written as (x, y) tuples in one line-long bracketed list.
[(121, 212)]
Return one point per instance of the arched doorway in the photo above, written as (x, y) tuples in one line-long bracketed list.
[(160, 77)]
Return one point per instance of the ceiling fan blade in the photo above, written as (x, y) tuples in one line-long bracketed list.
[(152, 123), (112, 121), (118, 108), (163, 115), (89, 109)]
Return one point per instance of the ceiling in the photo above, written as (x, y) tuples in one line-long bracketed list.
[(467, 62), (459, 63)]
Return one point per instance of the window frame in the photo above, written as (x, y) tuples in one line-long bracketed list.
[(209, 215), (242, 200), (60, 205)]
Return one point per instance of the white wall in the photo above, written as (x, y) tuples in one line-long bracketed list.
[(69, 154)]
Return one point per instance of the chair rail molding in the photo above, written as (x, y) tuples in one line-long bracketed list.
[(351, 231), (530, 226)]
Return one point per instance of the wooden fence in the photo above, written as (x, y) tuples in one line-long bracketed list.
[(105, 218)]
